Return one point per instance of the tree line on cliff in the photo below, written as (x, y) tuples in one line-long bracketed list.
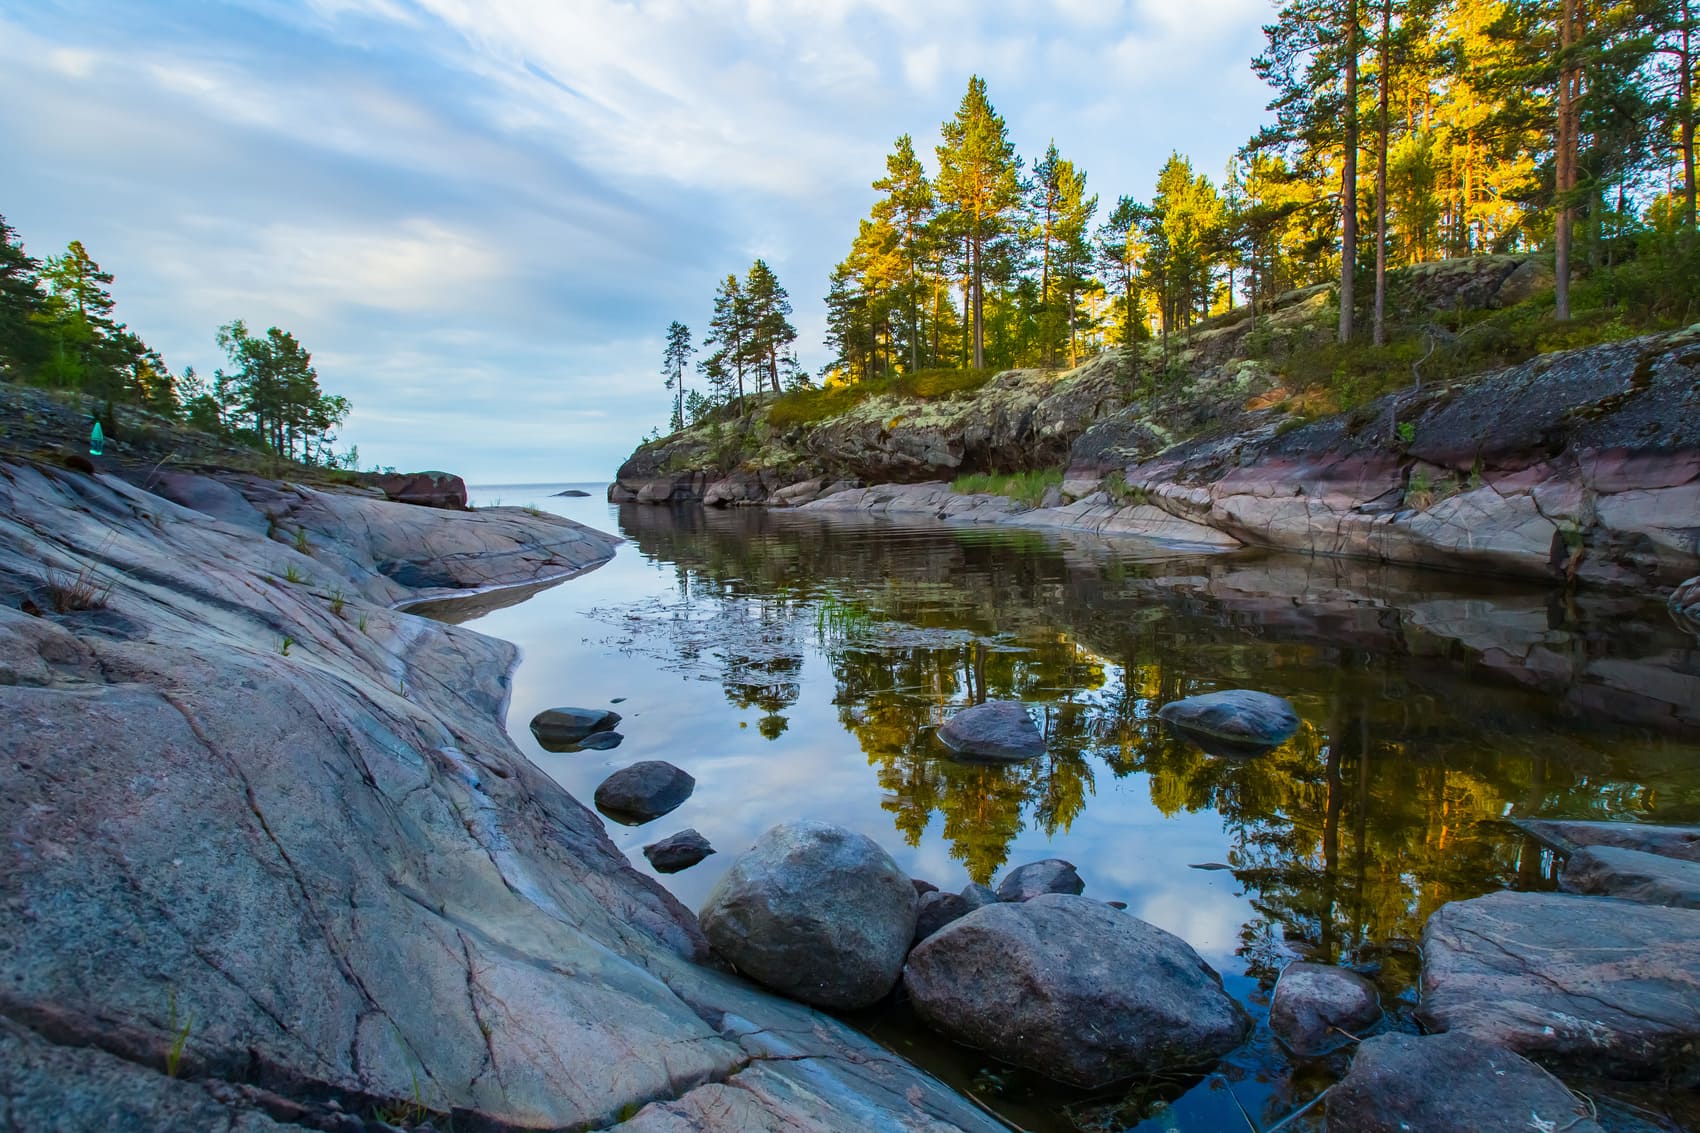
[(58, 329), (1401, 132)]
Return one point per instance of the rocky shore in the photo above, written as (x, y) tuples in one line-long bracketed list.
[(273, 861)]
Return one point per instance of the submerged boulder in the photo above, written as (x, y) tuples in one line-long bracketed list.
[(1610, 986), (1072, 989), (677, 851), (1053, 875), (643, 791), (1318, 1007), (560, 726), (1238, 718), (817, 912), (1451, 1083), (1001, 730)]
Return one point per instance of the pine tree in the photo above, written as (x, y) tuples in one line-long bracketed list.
[(21, 302), (1121, 249), (729, 331), (979, 179), (768, 314), (675, 356), (907, 208)]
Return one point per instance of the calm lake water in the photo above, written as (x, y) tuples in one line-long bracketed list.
[(799, 668)]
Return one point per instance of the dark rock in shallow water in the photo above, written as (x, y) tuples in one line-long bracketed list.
[(1608, 986), (1240, 721), (1567, 836), (575, 493), (643, 791), (1611, 871), (817, 912), (559, 726), (1451, 1083), (598, 741), (1053, 875), (937, 910), (1314, 1003), (999, 730), (677, 851), (1072, 989)]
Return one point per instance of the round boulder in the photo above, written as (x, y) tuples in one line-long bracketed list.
[(1001, 730), (643, 791), (1053, 875), (1239, 720), (1314, 1003), (555, 727), (677, 851), (816, 912), (1073, 989), (937, 910)]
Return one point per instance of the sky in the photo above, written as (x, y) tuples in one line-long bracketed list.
[(481, 215)]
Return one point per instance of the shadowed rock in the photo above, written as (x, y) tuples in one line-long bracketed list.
[(1072, 989), (1609, 986), (677, 851), (1315, 1003), (596, 741), (1238, 718), (1611, 871), (976, 895), (561, 726), (937, 910), (429, 489), (1001, 730), (1053, 875), (1567, 836), (815, 911), (643, 791), (1451, 1083)]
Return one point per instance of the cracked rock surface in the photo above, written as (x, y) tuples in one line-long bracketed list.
[(272, 859)]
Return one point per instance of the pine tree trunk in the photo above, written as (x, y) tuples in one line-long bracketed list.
[(979, 311), (1381, 179), (1349, 180)]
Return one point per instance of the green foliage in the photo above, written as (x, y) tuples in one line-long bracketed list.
[(284, 643), (1025, 488), (811, 406), (1115, 486), (301, 543), (291, 573), (337, 604), (180, 1029)]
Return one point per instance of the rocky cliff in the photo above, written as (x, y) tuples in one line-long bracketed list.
[(273, 862)]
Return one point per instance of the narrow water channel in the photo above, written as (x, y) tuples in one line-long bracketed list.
[(798, 668)]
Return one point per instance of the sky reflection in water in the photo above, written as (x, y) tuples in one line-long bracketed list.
[(799, 669)]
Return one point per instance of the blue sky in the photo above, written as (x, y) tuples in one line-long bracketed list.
[(480, 215)]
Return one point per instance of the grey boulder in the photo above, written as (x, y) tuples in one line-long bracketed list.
[(976, 895), (1235, 719), (1451, 1083), (1072, 989), (570, 725), (1001, 730), (677, 851), (1315, 1003), (1569, 835), (937, 910), (1610, 871), (1053, 875), (816, 912), (643, 791), (1609, 986)]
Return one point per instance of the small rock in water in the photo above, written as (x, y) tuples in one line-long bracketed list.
[(1239, 721), (1315, 1003), (555, 727), (816, 912), (643, 791), (618, 700), (677, 851), (1209, 866), (1116, 904), (1449, 1083), (599, 741), (937, 910), (1053, 875), (576, 493), (1001, 730)]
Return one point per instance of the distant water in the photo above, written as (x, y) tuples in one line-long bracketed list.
[(798, 668)]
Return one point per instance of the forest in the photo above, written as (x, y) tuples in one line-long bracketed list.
[(1399, 132), (58, 330)]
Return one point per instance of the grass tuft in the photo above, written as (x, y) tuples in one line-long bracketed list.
[(1025, 488)]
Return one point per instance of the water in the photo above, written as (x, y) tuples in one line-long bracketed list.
[(798, 668)]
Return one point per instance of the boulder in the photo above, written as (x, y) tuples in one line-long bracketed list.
[(428, 489), (1567, 836), (677, 851), (923, 887), (1073, 989), (1611, 871), (571, 725), (599, 741), (1609, 986), (1001, 730), (643, 791), (1238, 717), (1314, 1003), (1685, 604), (1053, 875), (937, 910), (817, 912), (1451, 1083), (976, 895)]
